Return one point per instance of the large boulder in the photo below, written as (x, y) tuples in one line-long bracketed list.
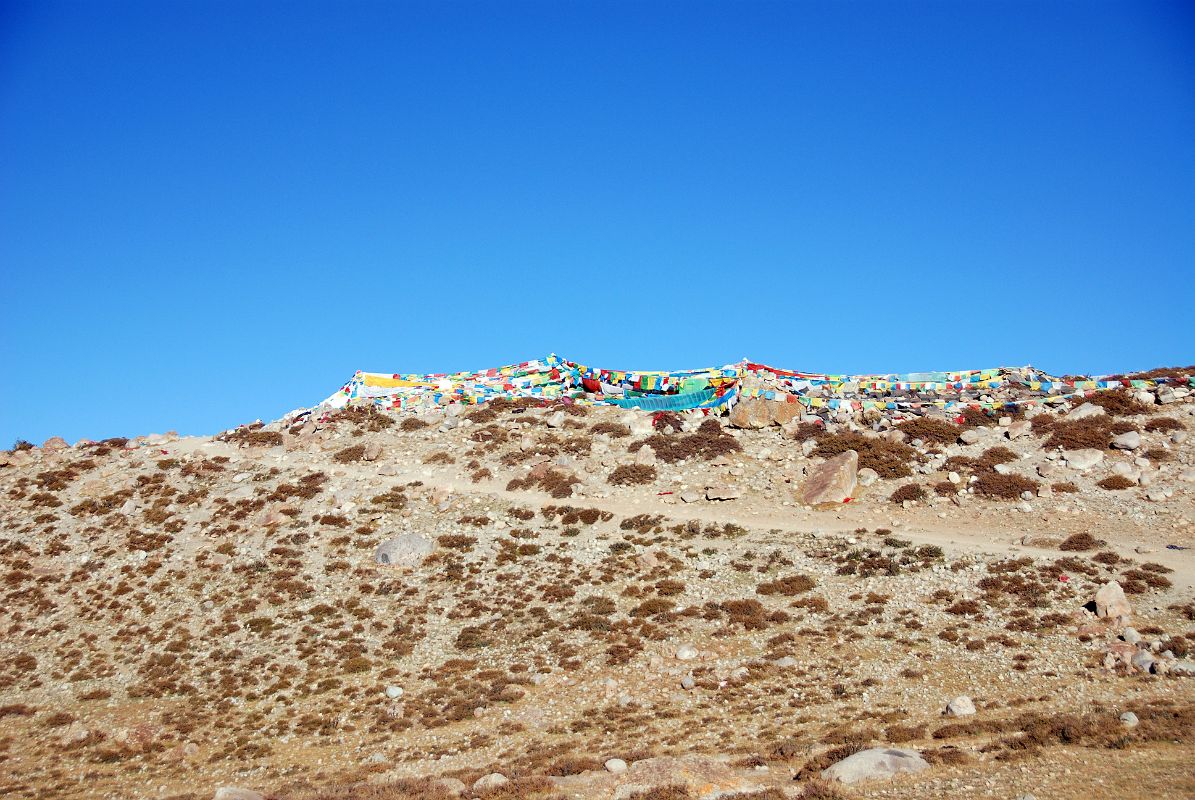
[(410, 548), (878, 762), (832, 481), (1086, 410), (757, 412), (752, 413), (1111, 603)]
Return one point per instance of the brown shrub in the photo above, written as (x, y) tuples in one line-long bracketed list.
[(945, 489), (889, 459), (977, 418), (704, 444), (1078, 434), (349, 454), (1115, 402), (412, 424), (1008, 487), (1116, 483), (1080, 542), (909, 491), (615, 430), (789, 586), (1067, 487), (632, 475), (1163, 425), (930, 430)]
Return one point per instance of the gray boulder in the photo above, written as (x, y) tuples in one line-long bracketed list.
[(876, 763)]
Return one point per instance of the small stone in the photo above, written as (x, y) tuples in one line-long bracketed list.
[(1142, 660), (1131, 636), (235, 793), (969, 436), (1086, 410), (1129, 440), (687, 682), (409, 548), (960, 706), (494, 779), (616, 765), (686, 652), (723, 493), (394, 692), (555, 420), (373, 451), (867, 476), (1128, 719), (1084, 459)]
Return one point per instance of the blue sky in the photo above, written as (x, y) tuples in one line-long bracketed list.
[(213, 212)]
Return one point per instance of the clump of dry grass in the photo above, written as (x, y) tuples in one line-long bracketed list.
[(1163, 425), (1080, 542), (1006, 487), (929, 430), (707, 443), (909, 491), (889, 459), (615, 430), (632, 475), (1115, 402), (1116, 483), (349, 454), (789, 586), (412, 424)]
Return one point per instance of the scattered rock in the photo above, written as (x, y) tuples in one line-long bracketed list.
[(1128, 719), (615, 765), (960, 706), (1086, 410), (494, 779), (409, 548), (686, 652), (1130, 440), (969, 436), (723, 493), (1084, 459), (235, 793)]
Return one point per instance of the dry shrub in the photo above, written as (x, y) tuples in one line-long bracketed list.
[(910, 491), (1067, 487), (1116, 483), (250, 436), (817, 789), (813, 767), (1090, 432), (789, 586), (707, 443), (363, 418), (615, 430), (930, 430), (945, 489), (977, 418), (1163, 425), (889, 459), (989, 458), (1116, 403), (349, 454), (666, 419), (555, 482), (673, 792), (1007, 487), (1080, 542), (412, 424), (632, 475)]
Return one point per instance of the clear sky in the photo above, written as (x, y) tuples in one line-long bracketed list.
[(214, 212)]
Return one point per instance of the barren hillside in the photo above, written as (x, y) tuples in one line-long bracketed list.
[(593, 603)]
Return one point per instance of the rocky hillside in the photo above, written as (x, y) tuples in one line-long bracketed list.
[(558, 601)]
